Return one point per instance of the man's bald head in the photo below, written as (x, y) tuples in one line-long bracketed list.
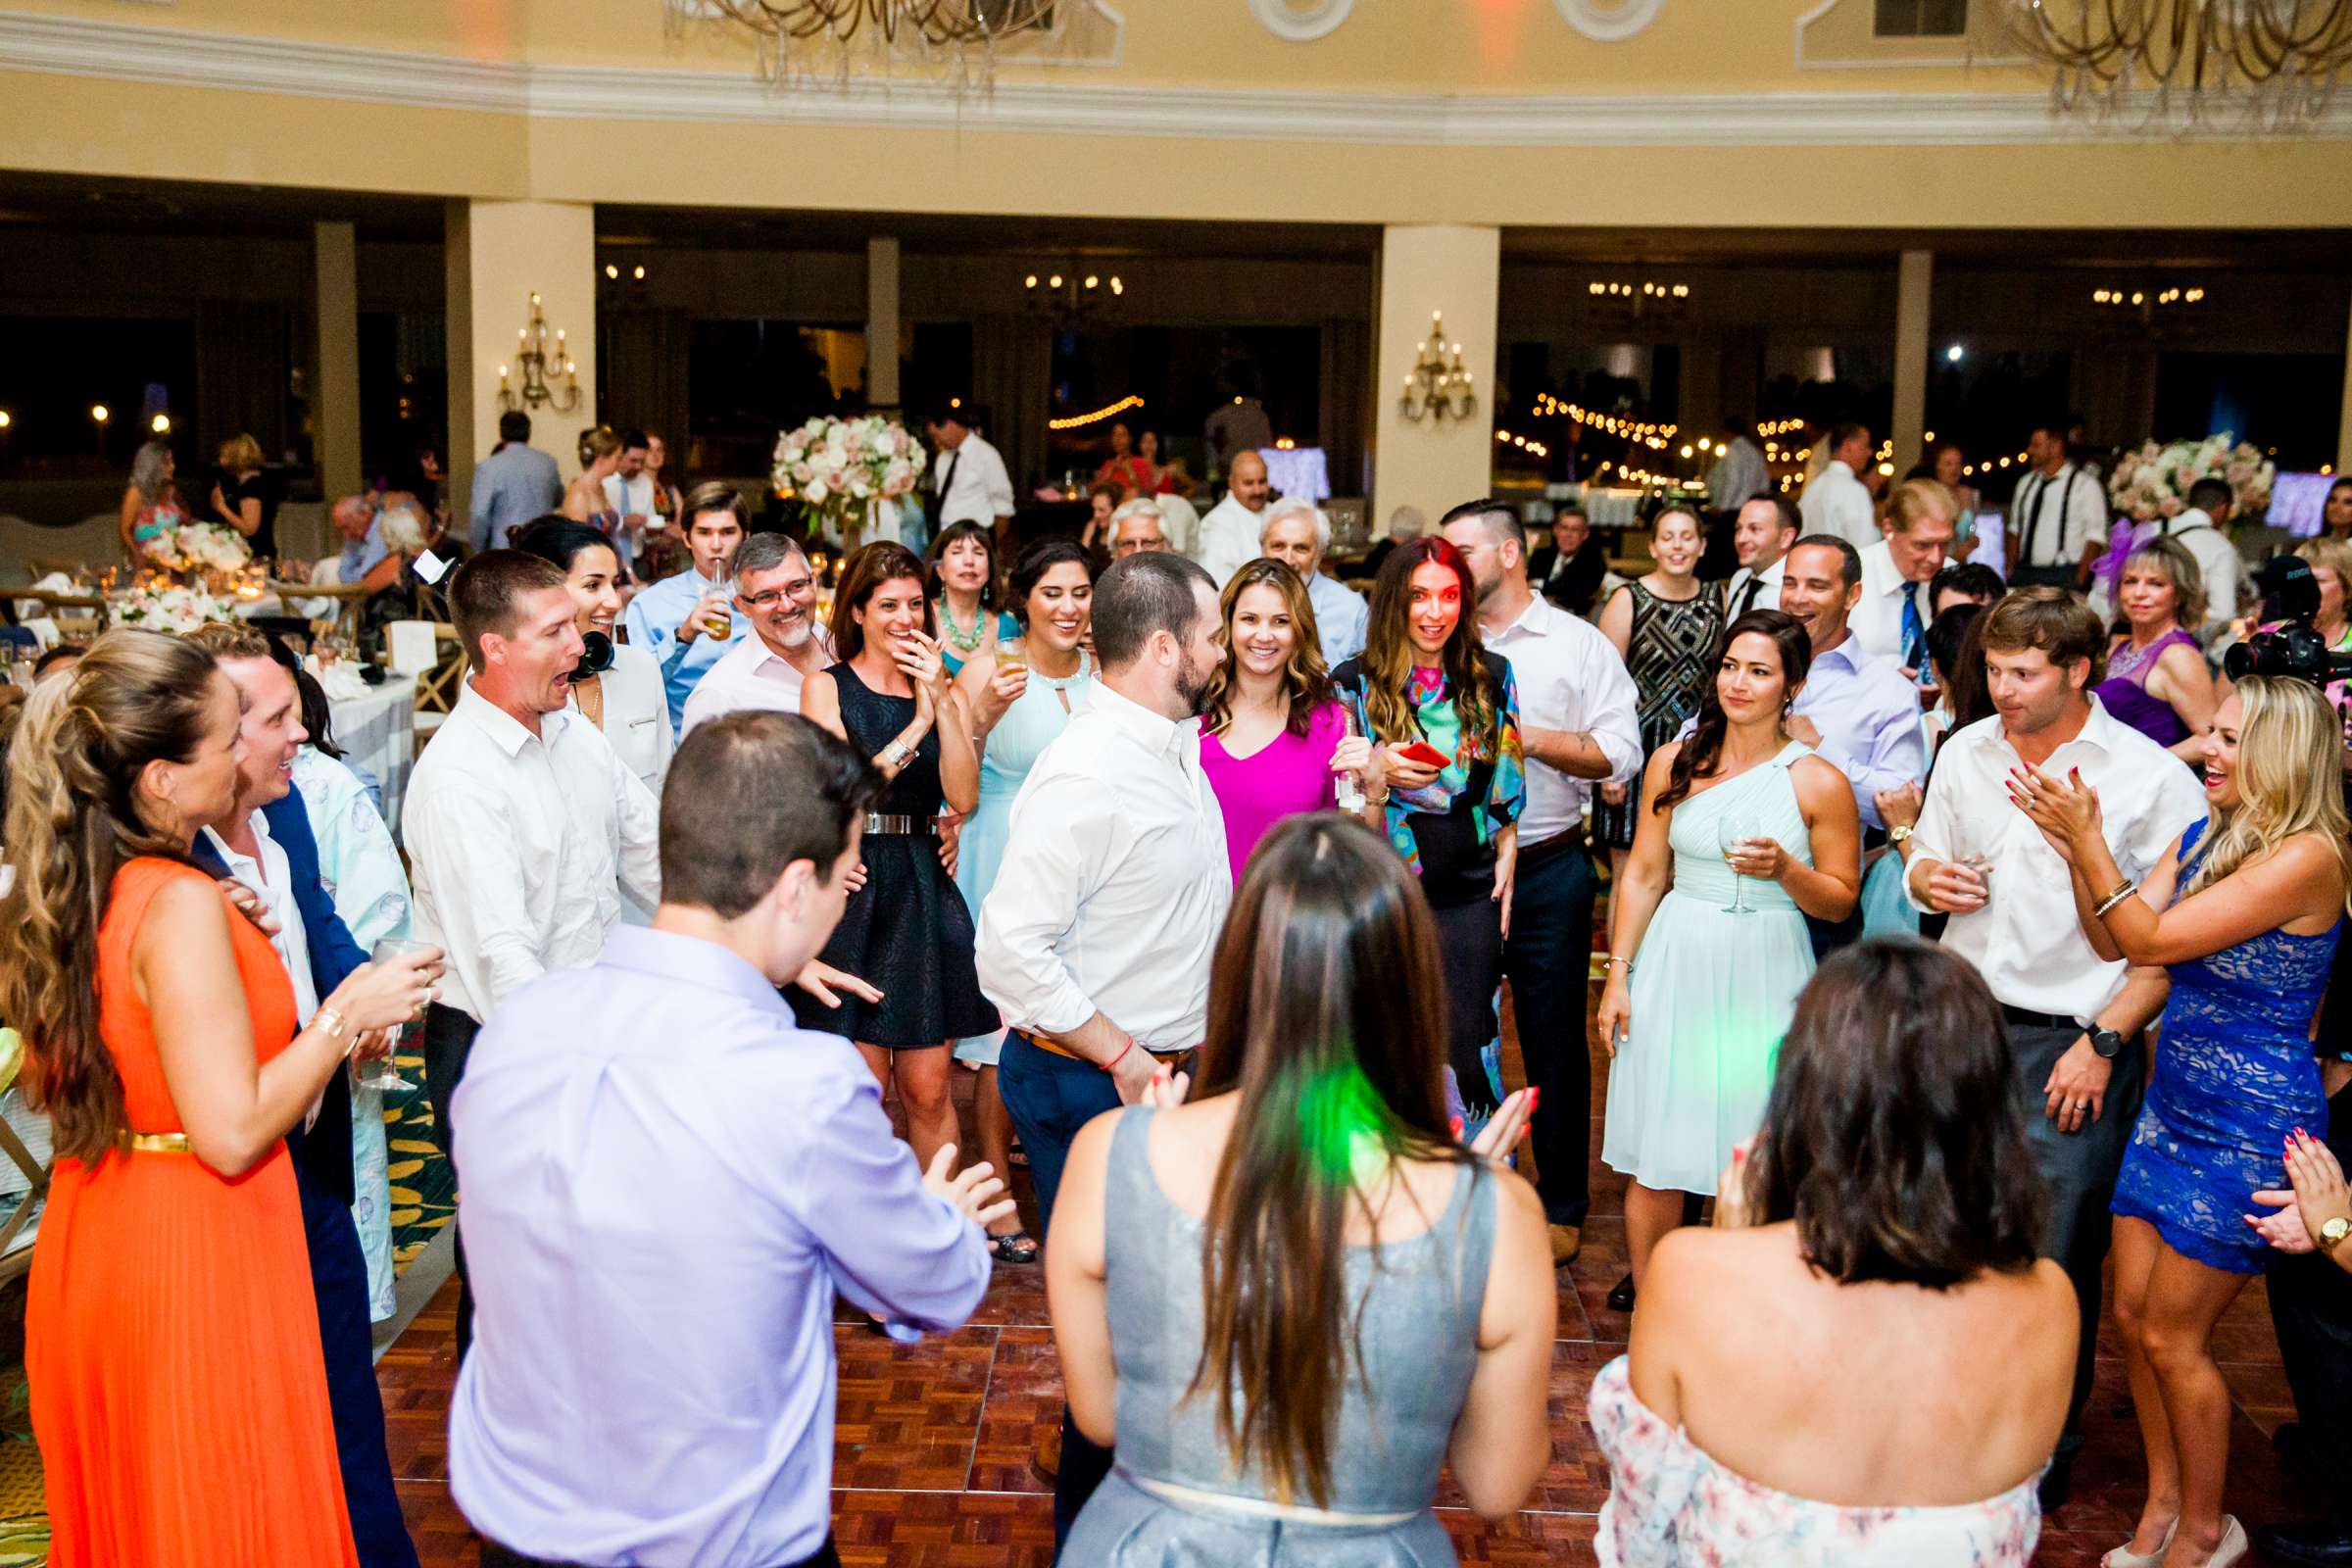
[(1247, 481)]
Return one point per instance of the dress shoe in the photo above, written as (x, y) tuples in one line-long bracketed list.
[(1047, 1456), (2325, 1544), (1566, 1242), (2234, 1544), (1620, 1294), (2124, 1556)]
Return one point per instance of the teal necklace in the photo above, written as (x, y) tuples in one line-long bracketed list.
[(956, 636)]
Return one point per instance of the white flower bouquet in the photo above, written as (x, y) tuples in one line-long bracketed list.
[(175, 610), (2154, 481), (199, 546), (839, 468)]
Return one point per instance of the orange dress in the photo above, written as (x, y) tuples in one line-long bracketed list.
[(171, 1339)]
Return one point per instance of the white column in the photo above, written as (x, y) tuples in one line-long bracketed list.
[(1914, 284), (882, 321), (1454, 272), (335, 392)]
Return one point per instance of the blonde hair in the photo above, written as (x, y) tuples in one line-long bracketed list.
[(2179, 568), (74, 818), (2332, 553), (2289, 752), (1915, 499), (239, 453), (598, 441)]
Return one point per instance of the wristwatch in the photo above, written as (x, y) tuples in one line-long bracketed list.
[(2332, 1234), (2106, 1042), (1896, 834)]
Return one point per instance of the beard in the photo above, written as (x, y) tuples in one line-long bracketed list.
[(1192, 687)]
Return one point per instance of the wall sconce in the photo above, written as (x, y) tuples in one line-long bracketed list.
[(541, 369), (1438, 387)]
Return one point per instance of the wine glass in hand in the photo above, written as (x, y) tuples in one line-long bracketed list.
[(1732, 830)]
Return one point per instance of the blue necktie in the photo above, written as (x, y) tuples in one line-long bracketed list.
[(1915, 636)]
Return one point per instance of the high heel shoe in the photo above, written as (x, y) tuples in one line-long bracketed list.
[(2124, 1556), (2233, 1547)]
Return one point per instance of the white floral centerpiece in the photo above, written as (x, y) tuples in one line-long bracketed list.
[(2154, 481), (841, 469), (169, 608), (199, 546)]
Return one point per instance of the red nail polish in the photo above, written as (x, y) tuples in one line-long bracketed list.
[(1534, 1096), (1456, 1126)]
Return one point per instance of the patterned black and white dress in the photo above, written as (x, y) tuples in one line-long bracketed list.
[(1670, 654)]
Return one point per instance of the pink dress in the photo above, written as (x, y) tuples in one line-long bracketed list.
[(1291, 773), (1671, 1504)]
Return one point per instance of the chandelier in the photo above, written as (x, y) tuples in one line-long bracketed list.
[(1437, 386), (1066, 293), (541, 365), (2269, 61), (811, 40)]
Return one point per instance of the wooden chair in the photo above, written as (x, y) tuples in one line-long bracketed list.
[(438, 688), (24, 1139)]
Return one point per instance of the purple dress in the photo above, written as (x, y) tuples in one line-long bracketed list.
[(2124, 690), (1290, 773)]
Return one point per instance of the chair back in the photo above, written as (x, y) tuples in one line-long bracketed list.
[(25, 1141), (437, 688)]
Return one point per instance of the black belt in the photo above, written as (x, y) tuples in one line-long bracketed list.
[(1559, 844), (2030, 1019)]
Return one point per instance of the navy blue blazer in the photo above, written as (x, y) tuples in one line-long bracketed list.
[(323, 1154)]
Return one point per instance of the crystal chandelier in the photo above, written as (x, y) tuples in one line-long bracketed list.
[(819, 40), (2266, 61)]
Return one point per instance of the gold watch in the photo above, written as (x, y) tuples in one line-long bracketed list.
[(1896, 834), (2332, 1234)]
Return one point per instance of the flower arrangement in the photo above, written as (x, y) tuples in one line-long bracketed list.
[(839, 468), (2154, 481), (167, 608), (199, 546)]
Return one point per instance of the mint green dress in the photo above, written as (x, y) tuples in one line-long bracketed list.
[(1713, 992)]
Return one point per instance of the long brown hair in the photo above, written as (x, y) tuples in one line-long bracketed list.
[(1303, 676), (1325, 1014), (1704, 749), (73, 821), (869, 569), (1388, 654)]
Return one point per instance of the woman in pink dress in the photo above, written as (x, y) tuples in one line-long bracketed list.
[(1272, 732)]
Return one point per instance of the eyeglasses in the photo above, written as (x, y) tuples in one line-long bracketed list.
[(774, 596)]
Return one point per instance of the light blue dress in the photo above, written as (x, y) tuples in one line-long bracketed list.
[(1713, 992), (363, 874), (1031, 724)]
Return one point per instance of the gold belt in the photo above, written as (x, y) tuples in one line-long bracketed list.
[(153, 1142)]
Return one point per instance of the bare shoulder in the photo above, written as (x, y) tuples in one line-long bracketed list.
[(1662, 764), (1819, 785), (2183, 659)]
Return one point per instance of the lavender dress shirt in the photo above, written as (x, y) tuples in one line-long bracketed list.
[(666, 1182)]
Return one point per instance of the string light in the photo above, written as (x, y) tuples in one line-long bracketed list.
[(1651, 435), (1645, 290), (1534, 449), (1078, 420), (1772, 428)]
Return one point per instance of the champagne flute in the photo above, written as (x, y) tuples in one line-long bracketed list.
[(385, 1075), (1349, 793), (1732, 830)]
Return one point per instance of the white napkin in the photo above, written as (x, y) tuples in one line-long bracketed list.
[(31, 609), (44, 631), (342, 683), (409, 646)]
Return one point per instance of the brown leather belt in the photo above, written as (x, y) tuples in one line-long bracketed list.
[(1560, 843), (1044, 1044)]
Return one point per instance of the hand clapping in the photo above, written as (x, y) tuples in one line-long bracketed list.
[(2067, 810)]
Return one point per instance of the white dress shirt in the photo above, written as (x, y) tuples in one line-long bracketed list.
[(2072, 508), (2027, 941), (630, 497), (1835, 502), (1569, 678), (1228, 539), (1180, 521), (1877, 620), (1768, 596), (1341, 616), (636, 714), (753, 675), (1737, 476), (518, 846), (1114, 882), (2217, 564), (272, 879), (980, 492)]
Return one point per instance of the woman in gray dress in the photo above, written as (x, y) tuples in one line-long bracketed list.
[(1290, 1301)]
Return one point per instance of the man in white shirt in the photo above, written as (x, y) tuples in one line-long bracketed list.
[(2073, 1015), (2057, 521), (1227, 540), (2199, 531), (968, 481), (629, 489), (521, 823), (1096, 938), (1761, 535), (1138, 525), (1739, 474), (776, 592), (1297, 534), (1578, 726), (1836, 501), (1892, 620)]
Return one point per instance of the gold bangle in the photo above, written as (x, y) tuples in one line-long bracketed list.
[(2114, 899), (330, 1020)]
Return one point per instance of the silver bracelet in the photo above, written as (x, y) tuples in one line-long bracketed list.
[(2116, 898)]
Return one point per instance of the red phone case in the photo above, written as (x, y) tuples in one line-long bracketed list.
[(1422, 752)]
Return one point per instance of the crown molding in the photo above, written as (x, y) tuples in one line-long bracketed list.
[(120, 51)]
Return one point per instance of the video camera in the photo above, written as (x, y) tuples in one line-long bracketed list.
[(2289, 642)]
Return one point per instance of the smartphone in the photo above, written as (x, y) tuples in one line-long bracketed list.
[(1423, 752)]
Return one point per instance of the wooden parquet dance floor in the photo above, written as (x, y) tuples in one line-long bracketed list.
[(931, 1457)]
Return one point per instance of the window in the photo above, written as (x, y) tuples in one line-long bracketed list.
[(1919, 18)]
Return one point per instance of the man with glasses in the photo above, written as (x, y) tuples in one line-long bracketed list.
[(777, 591)]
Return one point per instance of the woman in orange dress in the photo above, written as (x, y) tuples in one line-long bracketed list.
[(171, 1342)]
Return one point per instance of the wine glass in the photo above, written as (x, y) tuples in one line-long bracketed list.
[(1733, 829), (385, 1074)]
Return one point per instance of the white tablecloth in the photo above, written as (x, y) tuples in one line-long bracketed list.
[(1297, 472), (378, 733)]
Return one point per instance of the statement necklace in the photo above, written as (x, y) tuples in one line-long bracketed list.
[(957, 635)]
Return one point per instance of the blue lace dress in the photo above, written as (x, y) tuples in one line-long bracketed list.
[(2235, 1075)]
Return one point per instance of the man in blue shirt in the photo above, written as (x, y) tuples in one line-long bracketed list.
[(512, 487), (667, 1181), (688, 623), (362, 537)]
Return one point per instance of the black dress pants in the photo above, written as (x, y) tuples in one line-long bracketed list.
[(448, 1041), (1548, 961), (2311, 1308)]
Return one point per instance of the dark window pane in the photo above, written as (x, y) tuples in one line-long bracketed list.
[(1943, 19), (1895, 19)]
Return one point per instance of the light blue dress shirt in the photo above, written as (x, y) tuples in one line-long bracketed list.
[(666, 1182), (1868, 715), (512, 487), (652, 621), (360, 556), (1341, 616)]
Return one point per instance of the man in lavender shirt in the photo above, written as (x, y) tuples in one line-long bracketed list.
[(667, 1181)]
